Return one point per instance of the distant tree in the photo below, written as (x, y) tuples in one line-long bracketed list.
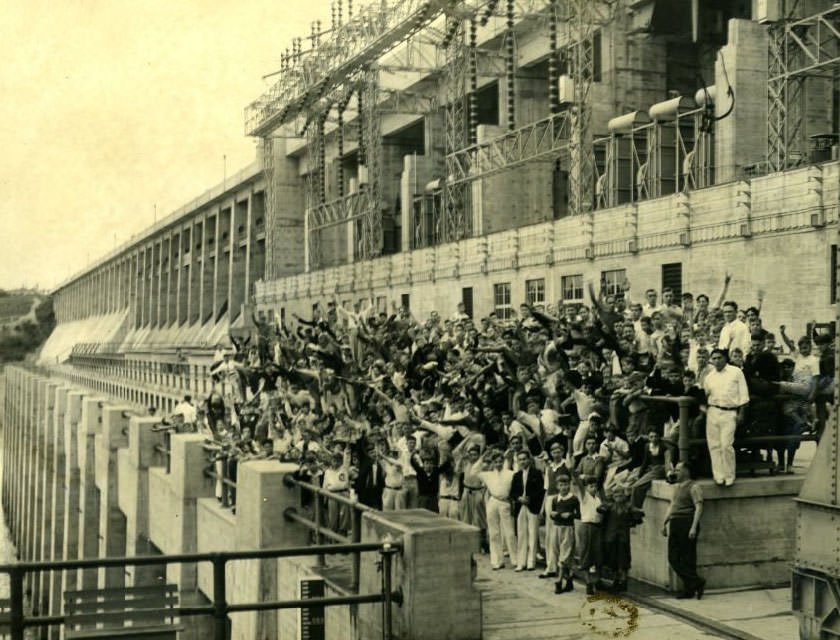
[(28, 336)]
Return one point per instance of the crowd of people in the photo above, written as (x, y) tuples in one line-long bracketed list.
[(538, 429)]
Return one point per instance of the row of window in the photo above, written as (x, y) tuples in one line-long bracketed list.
[(571, 286), (612, 282)]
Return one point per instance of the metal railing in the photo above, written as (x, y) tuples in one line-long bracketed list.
[(224, 476), (321, 499), (688, 439), (219, 607), (166, 448)]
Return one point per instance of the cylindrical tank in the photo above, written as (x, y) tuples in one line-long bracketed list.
[(705, 96), (668, 109), (627, 122)]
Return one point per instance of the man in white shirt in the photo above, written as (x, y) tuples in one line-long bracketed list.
[(186, 409), (407, 452), (670, 309), (499, 516), (650, 306), (726, 399), (460, 313), (735, 334)]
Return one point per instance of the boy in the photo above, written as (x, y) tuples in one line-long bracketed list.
[(563, 510), (589, 529)]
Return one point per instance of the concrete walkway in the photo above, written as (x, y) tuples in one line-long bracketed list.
[(519, 606)]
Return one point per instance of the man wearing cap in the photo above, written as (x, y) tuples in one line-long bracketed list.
[(682, 526), (726, 403)]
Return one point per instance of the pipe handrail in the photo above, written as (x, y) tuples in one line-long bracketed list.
[(219, 608)]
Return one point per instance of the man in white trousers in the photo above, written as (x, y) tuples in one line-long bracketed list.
[(727, 398), (527, 492), (499, 518)]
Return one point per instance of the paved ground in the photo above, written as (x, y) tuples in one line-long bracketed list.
[(519, 606)]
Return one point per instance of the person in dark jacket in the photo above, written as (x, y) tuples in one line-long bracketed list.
[(527, 491), (370, 482), (428, 479)]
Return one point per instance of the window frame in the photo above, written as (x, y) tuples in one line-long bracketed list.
[(573, 288), (503, 310), (610, 289), (538, 283)]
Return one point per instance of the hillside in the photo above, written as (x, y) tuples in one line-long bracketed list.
[(14, 306), (26, 320)]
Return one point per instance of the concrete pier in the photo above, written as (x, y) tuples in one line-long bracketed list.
[(85, 478)]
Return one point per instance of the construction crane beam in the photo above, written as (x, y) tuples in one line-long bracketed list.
[(340, 211), (349, 48), (547, 138)]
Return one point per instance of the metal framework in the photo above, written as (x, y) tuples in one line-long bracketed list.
[(544, 138), (313, 196), (800, 48), (652, 159), (456, 223), (337, 59), (271, 208), (346, 59), (369, 241), (581, 25)]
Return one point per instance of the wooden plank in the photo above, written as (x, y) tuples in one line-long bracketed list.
[(158, 632), (122, 592), (153, 602), (120, 617)]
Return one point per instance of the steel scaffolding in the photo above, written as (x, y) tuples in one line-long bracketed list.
[(456, 223), (800, 49)]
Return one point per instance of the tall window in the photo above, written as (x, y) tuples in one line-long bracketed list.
[(467, 299), (535, 291), (501, 300), (672, 279), (612, 280), (833, 275), (573, 287)]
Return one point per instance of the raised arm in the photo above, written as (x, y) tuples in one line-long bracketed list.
[(726, 280), (790, 343)]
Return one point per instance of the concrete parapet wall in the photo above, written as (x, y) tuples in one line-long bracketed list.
[(746, 539)]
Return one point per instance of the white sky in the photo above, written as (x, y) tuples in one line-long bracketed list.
[(108, 107)]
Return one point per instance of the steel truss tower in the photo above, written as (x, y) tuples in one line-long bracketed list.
[(800, 49), (456, 223)]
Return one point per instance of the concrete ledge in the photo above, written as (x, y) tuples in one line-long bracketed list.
[(434, 571), (747, 534), (216, 532)]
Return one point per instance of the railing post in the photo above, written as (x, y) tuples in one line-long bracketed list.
[(167, 444), (355, 536), (318, 524), (16, 603), (685, 437), (224, 471), (386, 552), (219, 599)]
